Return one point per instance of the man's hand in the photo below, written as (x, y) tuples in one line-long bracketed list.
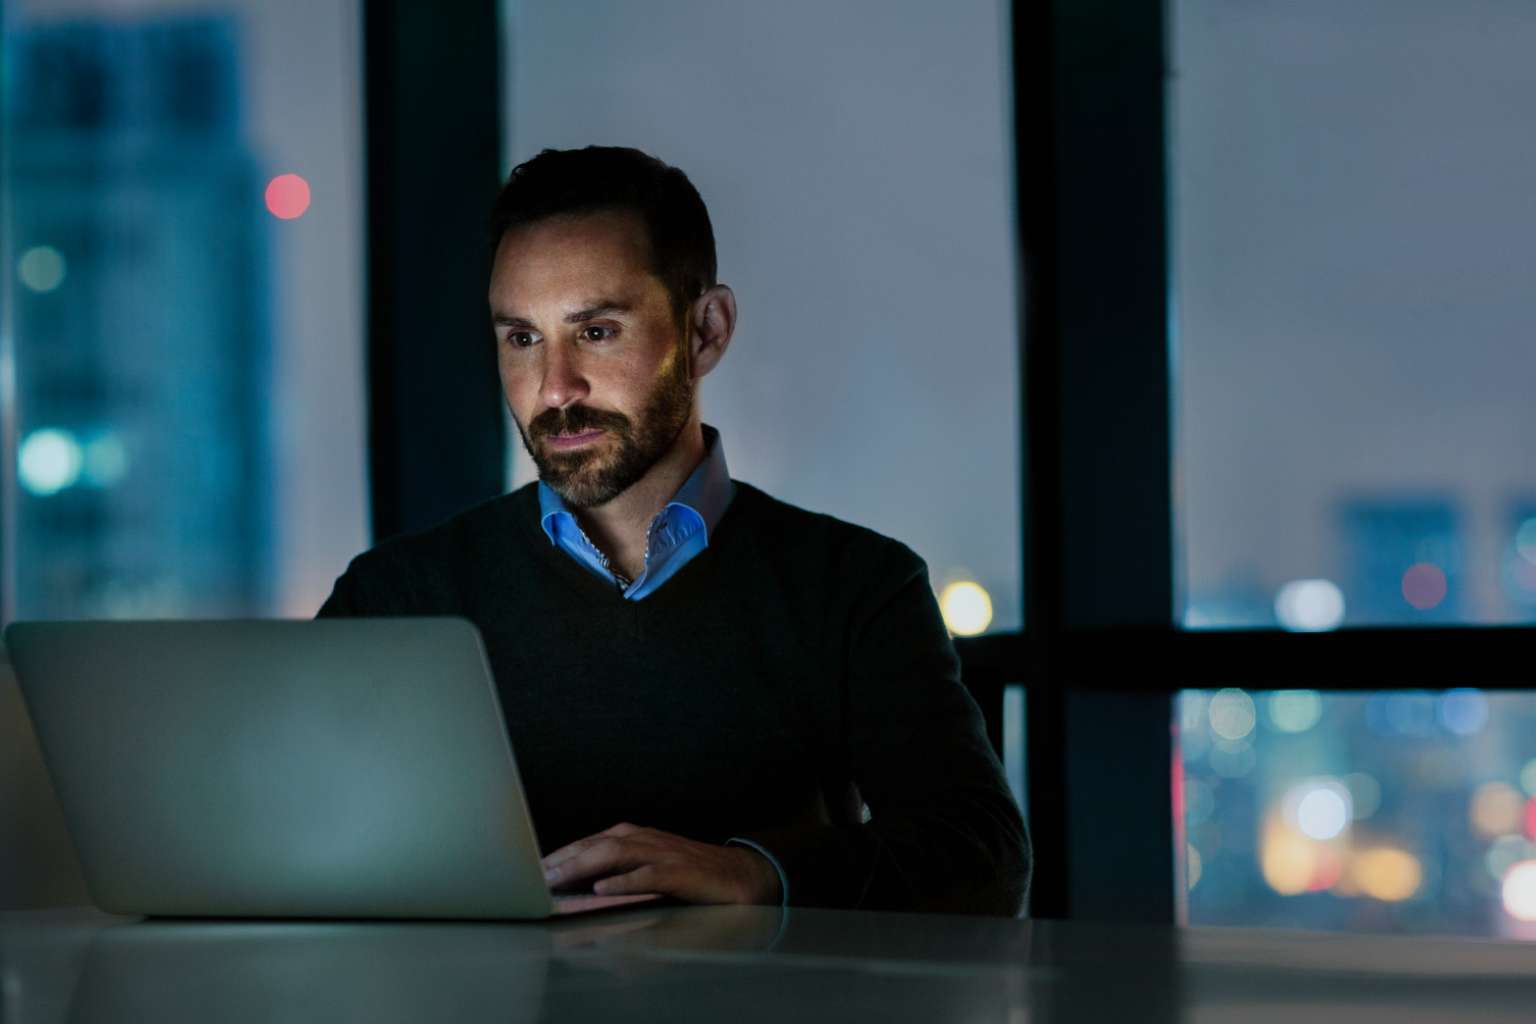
[(629, 859)]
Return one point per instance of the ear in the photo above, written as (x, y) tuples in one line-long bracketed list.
[(711, 322)]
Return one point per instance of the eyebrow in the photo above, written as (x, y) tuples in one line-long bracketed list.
[(604, 307)]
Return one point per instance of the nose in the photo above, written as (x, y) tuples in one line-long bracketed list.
[(563, 381)]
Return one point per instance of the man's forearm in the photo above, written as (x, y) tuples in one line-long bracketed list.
[(976, 861)]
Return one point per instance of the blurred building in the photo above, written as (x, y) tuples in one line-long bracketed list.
[(1519, 557), (142, 345), (1402, 561)]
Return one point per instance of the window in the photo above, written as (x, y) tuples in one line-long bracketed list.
[(857, 170), (1350, 223), (184, 345)]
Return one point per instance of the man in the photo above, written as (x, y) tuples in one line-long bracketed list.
[(710, 693)]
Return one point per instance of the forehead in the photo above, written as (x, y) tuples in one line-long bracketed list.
[(570, 256)]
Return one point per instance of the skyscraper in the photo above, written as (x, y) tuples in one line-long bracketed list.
[(141, 337)]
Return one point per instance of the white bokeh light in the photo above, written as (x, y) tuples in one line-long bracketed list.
[(1321, 808), (49, 461), (41, 268), (1295, 710), (1232, 714), (1519, 891), (1310, 606), (967, 608)]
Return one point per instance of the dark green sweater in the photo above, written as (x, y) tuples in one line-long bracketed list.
[(794, 669)]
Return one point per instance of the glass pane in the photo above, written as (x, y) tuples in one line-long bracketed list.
[(183, 342), (856, 162), (1402, 811), (1352, 217), (1014, 751)]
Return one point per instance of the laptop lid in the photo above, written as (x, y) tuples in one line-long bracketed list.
[(332, 768)]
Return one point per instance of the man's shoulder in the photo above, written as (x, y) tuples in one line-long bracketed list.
[(436, 570), (778, 523)]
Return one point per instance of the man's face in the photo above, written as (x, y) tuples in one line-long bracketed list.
[(592, 357)]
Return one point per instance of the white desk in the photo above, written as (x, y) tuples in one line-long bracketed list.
[(739, 965)]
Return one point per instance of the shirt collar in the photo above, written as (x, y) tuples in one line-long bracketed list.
[(706, 492)]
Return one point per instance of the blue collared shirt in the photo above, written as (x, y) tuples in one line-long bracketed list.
[(676, 535)]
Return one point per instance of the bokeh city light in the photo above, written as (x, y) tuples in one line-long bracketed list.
[(966, 607), (1320, 808), (1310, 606), (1464, 711), (287, 196), (42, 268), (1424, 585), (49, 461), (1519, 891), (1497, 809), (1295, 710), (1287, 858), (1232, 714), (1397, 810), (1386, 874)]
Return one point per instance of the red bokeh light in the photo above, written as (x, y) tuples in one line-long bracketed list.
[(1530, 818), (1327, 871), (287, 196), (1424, 585)]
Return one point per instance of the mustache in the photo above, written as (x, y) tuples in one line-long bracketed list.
[(576, 419)]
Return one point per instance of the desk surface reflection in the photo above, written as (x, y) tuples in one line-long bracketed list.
[(742, 964)]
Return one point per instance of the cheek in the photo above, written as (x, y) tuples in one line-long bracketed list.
[(517, 384), (641, 373)]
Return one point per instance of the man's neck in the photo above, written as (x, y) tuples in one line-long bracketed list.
[(618, 527)]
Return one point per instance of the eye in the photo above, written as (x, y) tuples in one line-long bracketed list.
[(597, 332), (520, 339)]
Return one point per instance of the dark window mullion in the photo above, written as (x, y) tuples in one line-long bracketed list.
[(1089, 152), (1152, 660), (433, 91)]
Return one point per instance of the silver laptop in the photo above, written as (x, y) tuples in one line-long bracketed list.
[(348, 768)]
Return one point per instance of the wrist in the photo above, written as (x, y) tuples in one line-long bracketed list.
[(763, 886)]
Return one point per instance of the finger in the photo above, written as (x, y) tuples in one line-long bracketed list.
[(602, 856), (569, 850), (689, 882), (645, 878)]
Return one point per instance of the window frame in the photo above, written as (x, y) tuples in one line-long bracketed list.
[(1103, 654), (432, 112), (1089, 122)]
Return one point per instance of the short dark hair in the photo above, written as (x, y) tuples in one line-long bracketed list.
[(565, 182)]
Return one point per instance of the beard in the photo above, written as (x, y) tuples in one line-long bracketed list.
[(592, 476)]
